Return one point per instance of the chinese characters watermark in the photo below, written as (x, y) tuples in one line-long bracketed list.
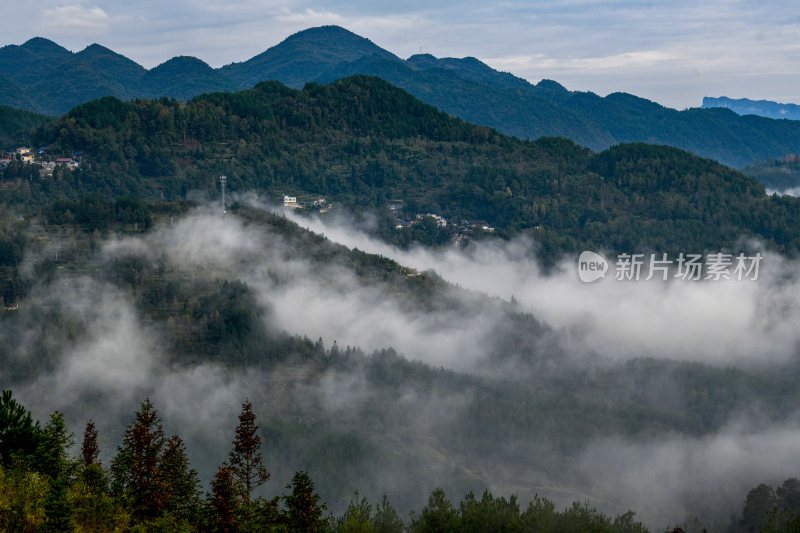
[(687, 267)]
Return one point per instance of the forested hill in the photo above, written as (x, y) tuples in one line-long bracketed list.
[(362, 142), (15, 126), (42, 76)]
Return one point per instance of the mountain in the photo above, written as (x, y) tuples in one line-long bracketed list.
[(184, 77), (111, 65), (57, 80), (361, 142), (54, 80), (302, 57), (13, 95), (426, 375), (471, 90), (762, 108)]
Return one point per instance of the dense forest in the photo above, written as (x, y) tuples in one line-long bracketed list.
[(119, 282), (362, 143), (546, 409), (151, 486), (16, 125)]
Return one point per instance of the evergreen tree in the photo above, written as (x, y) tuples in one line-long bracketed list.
[(135, 468), (439, 516), (58, 508), (224, 501), (759, 504), (304, 508), (51, 452), (90, 451), (19, 434), (245, 460), (386, 519), (180, 482), (357, 518)]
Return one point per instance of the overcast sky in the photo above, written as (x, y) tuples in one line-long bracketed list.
[(674, 52)]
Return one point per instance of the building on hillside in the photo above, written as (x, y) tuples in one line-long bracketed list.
[(46, 168), (291, 202), (67, 162)]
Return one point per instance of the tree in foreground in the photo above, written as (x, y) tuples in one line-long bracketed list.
[(180, 483), (224, 501), (90, 451), (361, 517), (386, 519), (246, 464), (304, 508), (19, 434), (135, 475), (439, 516)]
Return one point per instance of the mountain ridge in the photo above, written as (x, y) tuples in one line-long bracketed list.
[(761, 108), (46, 78), (361, 142)]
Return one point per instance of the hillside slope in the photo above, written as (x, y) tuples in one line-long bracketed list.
[(362, 142)]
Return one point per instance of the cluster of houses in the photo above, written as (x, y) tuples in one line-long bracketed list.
[(460, 231), (315, 203), (46, 164)]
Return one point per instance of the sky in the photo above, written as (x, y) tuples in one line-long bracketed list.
[(673, 52)]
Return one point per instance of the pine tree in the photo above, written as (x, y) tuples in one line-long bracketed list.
[(135, 468), (90, 451), (19, 433), (304, 508), (386, 519), (245, 460), (224, 501), (59, 511), (52, 460), (51, 457), (180, 482)]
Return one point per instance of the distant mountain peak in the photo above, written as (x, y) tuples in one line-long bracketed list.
[(95, 48), (40, 44), (184, 60), (304, 56), (551, 85), (762, 108), (324, 32)]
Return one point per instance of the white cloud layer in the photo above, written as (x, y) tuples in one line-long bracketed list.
[(74, 20)]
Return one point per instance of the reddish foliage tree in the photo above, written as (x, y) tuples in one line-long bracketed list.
[(245, 460), (90, 450), (224, 500)]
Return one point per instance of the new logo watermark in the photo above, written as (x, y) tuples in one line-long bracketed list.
[(591, 266), (687, 267)]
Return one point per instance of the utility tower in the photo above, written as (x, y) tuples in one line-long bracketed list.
[(223, 180)]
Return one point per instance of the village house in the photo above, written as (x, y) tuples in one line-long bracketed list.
[(67, 162)]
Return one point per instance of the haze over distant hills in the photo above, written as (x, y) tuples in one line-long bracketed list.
[(44, 77), (762, 108)]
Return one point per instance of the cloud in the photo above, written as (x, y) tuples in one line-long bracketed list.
[(663, 478), (116, 356), (750, 323), (311, 17), (71, 20)]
